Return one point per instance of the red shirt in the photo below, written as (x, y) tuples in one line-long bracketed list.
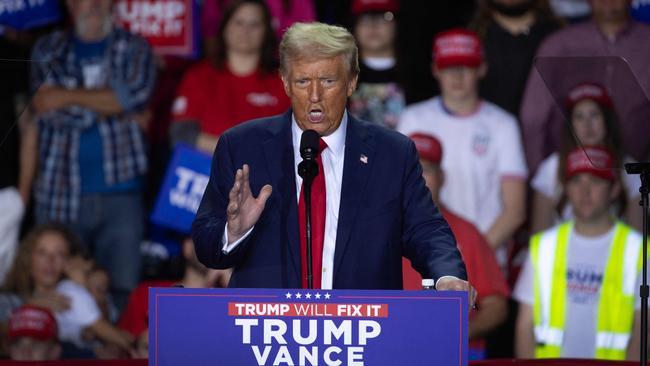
[(483, 271), (219, 100), (135, 317)]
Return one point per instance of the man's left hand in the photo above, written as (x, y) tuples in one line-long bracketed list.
[(455, 284)]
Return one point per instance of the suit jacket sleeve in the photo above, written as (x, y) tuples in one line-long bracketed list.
[(210, 222), (427, 239)]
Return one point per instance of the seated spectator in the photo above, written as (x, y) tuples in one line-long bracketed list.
[(578, 293), (610, 33), (240, 84), (594, 122), (283, 14), (483, 163), (483, 272), (378, 98), (32, 335), (135, 318), (98, 284), (37, 277), (91, 83), (511, 32)]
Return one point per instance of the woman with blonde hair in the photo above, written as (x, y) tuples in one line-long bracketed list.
[(38, 277)]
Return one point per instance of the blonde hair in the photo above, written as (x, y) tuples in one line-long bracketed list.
[(317, 40)]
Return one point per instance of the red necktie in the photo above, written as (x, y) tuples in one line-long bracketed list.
[(317, 224)]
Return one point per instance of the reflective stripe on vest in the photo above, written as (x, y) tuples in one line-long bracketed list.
[(616, 305)]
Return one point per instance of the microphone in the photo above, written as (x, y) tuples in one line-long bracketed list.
[(308, 170)]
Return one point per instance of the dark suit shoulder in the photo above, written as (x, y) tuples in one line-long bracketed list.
[(383, 137), (258, 129)]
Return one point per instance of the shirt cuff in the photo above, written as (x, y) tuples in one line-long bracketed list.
[(438, 280), (224, 240)]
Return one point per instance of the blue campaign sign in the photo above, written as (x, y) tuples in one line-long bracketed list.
[(26, 14), (641, 10), (180, 195), (306, 327)]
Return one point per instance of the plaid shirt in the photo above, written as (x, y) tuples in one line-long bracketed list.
[(130, 72)]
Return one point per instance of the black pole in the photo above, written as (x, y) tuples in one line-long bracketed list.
[(307, 192), (643, 169), (308, 170)]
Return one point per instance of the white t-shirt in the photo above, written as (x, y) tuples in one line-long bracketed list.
[(546, 182), (479, 151), (82, 313), (586, 260)]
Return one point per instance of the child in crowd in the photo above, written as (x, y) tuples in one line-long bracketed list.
[(484, 162)]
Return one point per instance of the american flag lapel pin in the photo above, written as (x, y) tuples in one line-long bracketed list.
[(363, 159)]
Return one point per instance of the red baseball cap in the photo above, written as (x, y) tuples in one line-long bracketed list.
[(428, 147), (457, 47), (595, 160), (369, 6), (592, 91), (32, 321)]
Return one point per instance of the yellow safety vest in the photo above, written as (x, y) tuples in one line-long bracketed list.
[(616, 305)]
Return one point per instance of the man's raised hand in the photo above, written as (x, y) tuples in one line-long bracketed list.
[(243, 209)]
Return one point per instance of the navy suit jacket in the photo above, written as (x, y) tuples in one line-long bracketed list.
[(386, 211)]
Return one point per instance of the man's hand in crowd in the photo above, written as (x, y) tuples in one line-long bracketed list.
[(50, 98)]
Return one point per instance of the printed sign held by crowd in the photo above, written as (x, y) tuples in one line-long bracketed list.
[(170, 26), (26, 14), (180, 195)]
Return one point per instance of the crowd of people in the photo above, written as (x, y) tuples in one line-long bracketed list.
[(522, 155)]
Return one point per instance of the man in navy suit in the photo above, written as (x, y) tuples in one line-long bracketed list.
[(376, 206)]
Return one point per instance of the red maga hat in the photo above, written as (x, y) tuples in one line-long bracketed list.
[(591, 91), (457, 47), (595, 160), (428, 147), (32, 321), (369, 6)]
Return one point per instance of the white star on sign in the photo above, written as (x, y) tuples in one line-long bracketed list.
[(298, 296), (288, 295), (327, 296), (317, 296), (308, 295)]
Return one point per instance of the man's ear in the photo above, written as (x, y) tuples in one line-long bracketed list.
[(615, 191), (352, 85), (482, 70), (435, 71)]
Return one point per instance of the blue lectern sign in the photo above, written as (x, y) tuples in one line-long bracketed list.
[(306, 327)]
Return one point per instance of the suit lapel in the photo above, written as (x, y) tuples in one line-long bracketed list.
[(359, 157), (278, 150)]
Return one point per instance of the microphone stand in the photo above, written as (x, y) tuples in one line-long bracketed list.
[(308, 170), (643, 169)]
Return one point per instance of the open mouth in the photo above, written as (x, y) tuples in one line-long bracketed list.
[(315, 115)]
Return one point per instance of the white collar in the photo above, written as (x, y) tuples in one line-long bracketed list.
[(335, 141)]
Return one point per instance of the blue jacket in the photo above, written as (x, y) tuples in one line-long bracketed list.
[(386, 211)]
